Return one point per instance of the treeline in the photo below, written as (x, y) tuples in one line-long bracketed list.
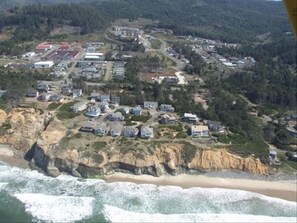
[(266, 84), (228, 20)]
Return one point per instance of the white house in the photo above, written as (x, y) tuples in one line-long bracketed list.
[(199, 131)]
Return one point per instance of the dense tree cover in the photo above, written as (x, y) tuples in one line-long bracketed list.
[(133, 46), (266, 84), (229, 20), (278, 49), (196, 62)]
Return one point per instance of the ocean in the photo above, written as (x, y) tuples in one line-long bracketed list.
[(29, 196)]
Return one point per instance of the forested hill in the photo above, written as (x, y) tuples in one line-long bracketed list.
[(228, 20)]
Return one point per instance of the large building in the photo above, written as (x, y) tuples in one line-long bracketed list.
[(199, 131), (43, 64)]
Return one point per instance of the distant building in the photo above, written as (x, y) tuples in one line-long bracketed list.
[(101, 129), (79, 107), (95, 96), (29, 55), (76, 93), (43, 97), (105, 97), (87, 127), (43, 47), (170, 80), (93, 111), (56, 97), (3, 93), (116, 100), (191, 118), (150, 105), (215, 126), (166, 119), (43, 64), (199, 131), (104, 106), (130, 132), (147, 132), (41, 87), (166, 108), (32, 93), (136, 110), (116, 117), (126, 110)]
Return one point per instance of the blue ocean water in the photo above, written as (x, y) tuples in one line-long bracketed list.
[(27, 196)]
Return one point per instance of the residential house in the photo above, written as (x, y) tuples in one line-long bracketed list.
[(104, 97), (95, 96), (116, 130), (66, 89), (32, 93), (79, 107), (215, 126), (191, 118), (76, 93), (170, 80), (147, 132), (93, 111), (116, 117), (41, 87), (43, 97), (104, 106), (136, 110), (150, 105), (87, 127), (116, 100), (166, 119), (101, 129), (166, 108), (199, 131), (56, 97), (126, 110), (3, 93), (130, 132)]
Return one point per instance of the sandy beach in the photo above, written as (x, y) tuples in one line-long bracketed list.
[(280, 189)]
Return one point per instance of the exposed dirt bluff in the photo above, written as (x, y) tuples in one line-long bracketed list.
[(51, 145)]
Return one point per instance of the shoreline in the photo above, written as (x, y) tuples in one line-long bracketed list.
[(283, 189), (286, 190)]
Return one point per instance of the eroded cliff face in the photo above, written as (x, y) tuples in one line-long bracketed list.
[(29, 127), (166, 159)]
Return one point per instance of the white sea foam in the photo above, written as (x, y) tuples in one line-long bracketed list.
[(115, 214), (2, 185), (57, 208)]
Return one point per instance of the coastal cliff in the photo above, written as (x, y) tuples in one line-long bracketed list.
[(51, 146)]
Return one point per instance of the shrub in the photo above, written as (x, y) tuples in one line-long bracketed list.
[(53, 106), (189, 152), (99, 145)]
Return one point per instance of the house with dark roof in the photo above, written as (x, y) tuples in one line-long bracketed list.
[(215, 126)]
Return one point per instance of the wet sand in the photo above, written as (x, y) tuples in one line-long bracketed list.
[(280, 189)]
